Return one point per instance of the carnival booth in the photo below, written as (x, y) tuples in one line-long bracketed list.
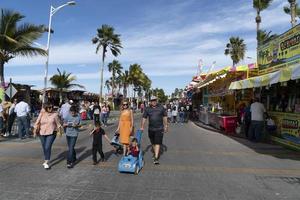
[(220, 109), (278, 85)]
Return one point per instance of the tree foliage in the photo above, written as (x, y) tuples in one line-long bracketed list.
[(17, 39), (236, 49)]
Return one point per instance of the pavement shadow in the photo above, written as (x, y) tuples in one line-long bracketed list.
[(108, 154), (63, 156), (163, 148), (268, 148), (83, 156)]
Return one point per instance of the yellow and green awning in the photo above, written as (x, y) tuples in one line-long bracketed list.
[(289, 73)]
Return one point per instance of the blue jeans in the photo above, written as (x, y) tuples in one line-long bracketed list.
[(256, 130), (104, 118), (23, 126), (1, 124), (47, 141), (71, 152), (181, 117)]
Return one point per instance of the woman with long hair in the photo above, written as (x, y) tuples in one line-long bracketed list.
[(125, 127), (46, 126)]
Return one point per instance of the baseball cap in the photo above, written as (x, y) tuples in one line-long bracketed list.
[(153, 98)]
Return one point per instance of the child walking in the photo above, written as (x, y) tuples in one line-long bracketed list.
[(97, 133)]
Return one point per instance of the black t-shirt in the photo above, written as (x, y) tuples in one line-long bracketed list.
[(97, 136), (155, 115)]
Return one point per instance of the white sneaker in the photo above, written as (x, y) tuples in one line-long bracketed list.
[(6, 135), (46, 166)]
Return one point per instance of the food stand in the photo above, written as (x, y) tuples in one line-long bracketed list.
[(278, 85), (220, 109)]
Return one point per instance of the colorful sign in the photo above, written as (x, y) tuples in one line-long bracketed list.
[(283, 51), (288, 124)]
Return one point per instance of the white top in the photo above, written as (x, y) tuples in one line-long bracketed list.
[(270, 122), (64, 110), (22, 109), (174, 112), (1, 108), (257, 111)]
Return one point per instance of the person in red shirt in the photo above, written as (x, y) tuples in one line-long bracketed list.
[(133, 148)]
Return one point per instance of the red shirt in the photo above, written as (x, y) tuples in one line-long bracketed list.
[(134, 151)]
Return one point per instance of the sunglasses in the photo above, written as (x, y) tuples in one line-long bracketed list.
[(125, 104)]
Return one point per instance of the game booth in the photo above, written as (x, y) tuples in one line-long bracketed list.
[(278, 86), (219, 108)]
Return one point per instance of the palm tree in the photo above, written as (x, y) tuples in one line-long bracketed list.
[(135, 75), (108, 85), (106, 39), (63, 81), (17, 39), (264, 36), (236, 48), (146, 85), (116, 69), (125, 82), (293, 10), (260, 5)]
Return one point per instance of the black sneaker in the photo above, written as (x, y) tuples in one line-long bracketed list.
[(156, 162), (69, 166), (95, 163)]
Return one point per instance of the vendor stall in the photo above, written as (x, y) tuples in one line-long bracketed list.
[(220, 108), (278, 86)]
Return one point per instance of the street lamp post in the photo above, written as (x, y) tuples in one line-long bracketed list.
[(53, 10)]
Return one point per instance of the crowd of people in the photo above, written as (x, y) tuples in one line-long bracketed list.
[(52, 122)]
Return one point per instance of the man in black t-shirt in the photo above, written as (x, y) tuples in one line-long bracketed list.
[(158, 125)]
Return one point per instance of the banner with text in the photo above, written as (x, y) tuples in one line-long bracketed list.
[(283, 51)]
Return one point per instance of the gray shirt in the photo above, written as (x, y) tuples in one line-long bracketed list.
[(155, 115), (71, 121)]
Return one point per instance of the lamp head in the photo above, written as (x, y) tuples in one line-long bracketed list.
[(71, 3)]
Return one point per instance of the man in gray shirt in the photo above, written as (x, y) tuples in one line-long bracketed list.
[(158, 125)]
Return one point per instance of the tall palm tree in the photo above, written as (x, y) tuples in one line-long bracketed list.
[(17, 39), (108, 85), (107, 40), (135, 76), (236, 48), (125, 82), (293, 10), (260, 5), (116, 70), (63, 81), (146, 85)]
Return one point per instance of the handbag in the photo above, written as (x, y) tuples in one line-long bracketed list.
[(37, 129), (60, 131)]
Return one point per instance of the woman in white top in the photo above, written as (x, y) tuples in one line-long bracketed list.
[(174, 114)]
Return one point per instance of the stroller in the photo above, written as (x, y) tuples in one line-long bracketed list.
[(131, 164), (116, 143)]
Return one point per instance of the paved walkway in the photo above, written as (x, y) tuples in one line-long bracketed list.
[(195, 164)]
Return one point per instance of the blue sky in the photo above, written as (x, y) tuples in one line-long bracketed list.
[(166, 37)]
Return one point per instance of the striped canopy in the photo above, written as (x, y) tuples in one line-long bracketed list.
[(286, 74)]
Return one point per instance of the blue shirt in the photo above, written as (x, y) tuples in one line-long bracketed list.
[(71, 121)]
